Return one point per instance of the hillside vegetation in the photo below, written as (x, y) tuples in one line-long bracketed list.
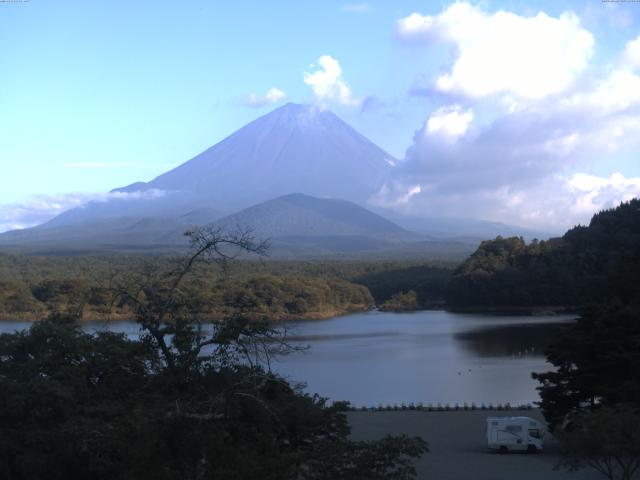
[(32, 287), (588, 264)]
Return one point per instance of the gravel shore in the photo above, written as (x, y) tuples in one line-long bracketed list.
[(457, 445)]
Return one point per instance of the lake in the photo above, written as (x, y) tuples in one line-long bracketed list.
[(376, 358)]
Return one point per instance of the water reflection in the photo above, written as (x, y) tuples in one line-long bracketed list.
[(509, 341), (432, 356)]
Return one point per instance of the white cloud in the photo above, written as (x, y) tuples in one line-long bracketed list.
[(576, 198), (517, 151), (327, 83), (450, 122), (523, 168), (631, 54), (356, 8), (149, 194), (619, 91), (554, 205), (273, 95), (593, 184), (38, 209), (504, 53)]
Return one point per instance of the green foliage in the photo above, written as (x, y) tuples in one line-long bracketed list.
[(597, 362), (607, 440), (179, 402), (401, 302), (101, 406), (389, 458), (32, 286), (62, 295), (285, 296), (16, 297), (591, 264), (68, 400), (427, 281)]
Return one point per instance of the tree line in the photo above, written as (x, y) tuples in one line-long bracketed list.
[(179, 402), (588, 264), (591, 399), (33, 287)]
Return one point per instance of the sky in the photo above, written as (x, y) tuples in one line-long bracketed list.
[(522, 112)]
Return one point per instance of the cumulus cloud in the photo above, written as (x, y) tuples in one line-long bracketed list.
[(327, 83), (520, 121), (554, 205), (39, 209), (619, 91), (631, 54), (273, 95), (595, 193), (574, 198), (504, 53), (449, 122), (526, 166)]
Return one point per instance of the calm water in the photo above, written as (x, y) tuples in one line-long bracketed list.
[(431, 356)]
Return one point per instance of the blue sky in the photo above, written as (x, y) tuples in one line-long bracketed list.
[(97, 95)]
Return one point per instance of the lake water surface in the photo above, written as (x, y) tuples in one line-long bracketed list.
[(429, 356)]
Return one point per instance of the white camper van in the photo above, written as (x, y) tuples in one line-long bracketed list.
[(514, 434)]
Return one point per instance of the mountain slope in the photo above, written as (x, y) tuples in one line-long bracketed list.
[(112, 233), (301, 226), (302, 215), (292, 222), (295, 148)]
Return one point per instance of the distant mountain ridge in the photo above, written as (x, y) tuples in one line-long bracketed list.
[(283, 219), (296, 226), (297, 214)]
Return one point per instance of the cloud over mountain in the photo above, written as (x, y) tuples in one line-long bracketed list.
[(530, 118), (39, 209), (328, 84), (273, 95)]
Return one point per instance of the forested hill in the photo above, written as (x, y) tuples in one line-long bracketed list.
[(588, 264)]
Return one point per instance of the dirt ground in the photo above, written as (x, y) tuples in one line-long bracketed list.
[(457, 445)]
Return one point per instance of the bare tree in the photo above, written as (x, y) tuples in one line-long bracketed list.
[(163, 310)]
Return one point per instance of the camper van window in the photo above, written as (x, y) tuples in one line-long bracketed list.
[(513, 428), (534, 433)]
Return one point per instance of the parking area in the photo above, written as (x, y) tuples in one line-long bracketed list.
[(458, 448)]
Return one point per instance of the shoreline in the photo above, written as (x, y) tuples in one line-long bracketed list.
[(93, 316), (514, 310)]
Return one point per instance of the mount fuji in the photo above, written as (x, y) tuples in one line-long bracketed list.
[(249, 178)]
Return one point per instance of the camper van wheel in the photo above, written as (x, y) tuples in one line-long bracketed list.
[(503, 449), (532, 449)]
